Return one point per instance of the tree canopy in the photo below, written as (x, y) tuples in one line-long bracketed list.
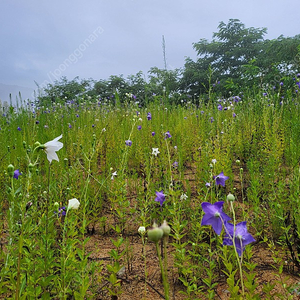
[(236, 57)]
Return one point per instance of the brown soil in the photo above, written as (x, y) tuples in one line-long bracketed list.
[(135, 286), (133, 278)]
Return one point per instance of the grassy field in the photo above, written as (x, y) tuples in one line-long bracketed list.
[(129, 167)]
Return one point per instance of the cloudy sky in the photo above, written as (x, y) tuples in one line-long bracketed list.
[(44, 40)]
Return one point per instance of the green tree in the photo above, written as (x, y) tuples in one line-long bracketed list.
[(232, 47), (240, 57), (162, 81), (63, 89)]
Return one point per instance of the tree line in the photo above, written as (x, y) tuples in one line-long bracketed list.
[(236, 58)]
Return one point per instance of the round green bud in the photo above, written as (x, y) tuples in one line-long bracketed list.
[(165, 228), (31, 167), (230, 197), (24, 144), (155, 234), (10, 170)]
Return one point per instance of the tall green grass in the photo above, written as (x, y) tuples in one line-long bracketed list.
[(254, 139)]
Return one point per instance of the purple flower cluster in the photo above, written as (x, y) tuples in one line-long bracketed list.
[(61, 211), (236, 235)]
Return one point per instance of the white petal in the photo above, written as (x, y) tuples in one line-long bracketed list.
[(51, 147), (73, 204), (51, 155)]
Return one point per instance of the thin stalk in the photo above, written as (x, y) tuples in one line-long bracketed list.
[(234, 246), (165, 240), (166, 289)]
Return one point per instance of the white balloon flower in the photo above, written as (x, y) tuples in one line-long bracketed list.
[(155, 151), (73, 204), (51, 147)]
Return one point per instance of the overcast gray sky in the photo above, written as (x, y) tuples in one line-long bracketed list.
[(44, 40)]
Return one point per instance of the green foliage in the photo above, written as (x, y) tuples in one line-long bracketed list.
[(254, 141), (240, 57)]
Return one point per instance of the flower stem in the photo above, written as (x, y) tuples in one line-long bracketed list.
[(166, 288), (235, 250)]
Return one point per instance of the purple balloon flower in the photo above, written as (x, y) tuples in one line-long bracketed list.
[(17, 173), (61, 211), (214, 216), (167, 135), (149, 116), (160, 197), (241, 236), (220, 179), (220, 107), (175, 164), (139, 127), (153, 133), (128, 142), (19, 129)]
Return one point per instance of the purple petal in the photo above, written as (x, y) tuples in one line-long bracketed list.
[(217, 225)]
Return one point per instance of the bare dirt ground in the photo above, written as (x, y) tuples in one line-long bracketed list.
[(133, 280), (135, 286)]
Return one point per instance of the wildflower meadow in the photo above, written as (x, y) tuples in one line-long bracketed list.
[(104, 198)]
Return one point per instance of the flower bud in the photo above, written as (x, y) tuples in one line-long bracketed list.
[(28, 205), (230, 197), (165, 228), (142, 230), (10, 170), (155, 234), (30, 167)]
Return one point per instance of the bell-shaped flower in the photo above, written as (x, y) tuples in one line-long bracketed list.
[(113, 175), (51, 147), (220, 179), (241, 236), (128, 142), (155, 151), (214, 216), (73, 204), (17, 173), (160, 197)]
